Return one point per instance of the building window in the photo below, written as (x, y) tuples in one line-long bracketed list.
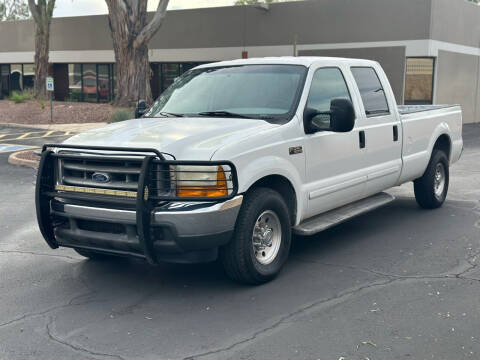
[(28, 76), (4, 80), (170, 71), (89, 82), (16, 77), (164, 74), (74, 82), (419, 81), (103, 83)]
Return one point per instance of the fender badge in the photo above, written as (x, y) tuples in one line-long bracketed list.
[(295, 150)]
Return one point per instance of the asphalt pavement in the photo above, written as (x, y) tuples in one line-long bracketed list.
[(397, 283)]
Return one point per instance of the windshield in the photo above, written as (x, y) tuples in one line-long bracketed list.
[(247, 91)]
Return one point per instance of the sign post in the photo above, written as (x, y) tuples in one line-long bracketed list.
[(50, 89)]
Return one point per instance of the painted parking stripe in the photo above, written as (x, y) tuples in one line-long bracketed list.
[(41, 137), (4, 148), (35, 135), (23, 136), (48, 133)]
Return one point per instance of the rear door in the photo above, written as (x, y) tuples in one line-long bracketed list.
[(335, 170), (381, 128)]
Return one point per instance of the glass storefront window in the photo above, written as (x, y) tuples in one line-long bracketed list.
[(419, 81), (75, 82), (89, 82), (4, 83), (28, 76), (114, 78), (103, 83), (16, 77), (170, 71)]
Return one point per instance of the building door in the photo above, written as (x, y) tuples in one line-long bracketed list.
[(60, 76)]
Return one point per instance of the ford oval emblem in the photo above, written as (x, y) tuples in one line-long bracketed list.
[(101, 177)]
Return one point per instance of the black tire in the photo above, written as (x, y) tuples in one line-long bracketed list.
[(92, 255), (425, 187), (238, 257)]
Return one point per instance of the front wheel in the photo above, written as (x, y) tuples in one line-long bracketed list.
[(431, 189), (261, 241)]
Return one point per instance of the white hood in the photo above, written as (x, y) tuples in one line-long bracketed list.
[(185, 138)]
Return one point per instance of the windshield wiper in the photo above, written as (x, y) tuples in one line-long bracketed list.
[(223, 113), (169, 114)]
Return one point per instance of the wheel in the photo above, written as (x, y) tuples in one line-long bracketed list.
[(431, 189), (261, 241), (92, 255)]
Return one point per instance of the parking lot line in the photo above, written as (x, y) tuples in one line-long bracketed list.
[(35, 135), (40, 137), (48, 133), (23, 136)]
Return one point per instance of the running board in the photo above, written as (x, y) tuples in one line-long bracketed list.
[(336, 216)]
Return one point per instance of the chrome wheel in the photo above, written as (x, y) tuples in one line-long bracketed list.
[(266, 237), (439, 180)]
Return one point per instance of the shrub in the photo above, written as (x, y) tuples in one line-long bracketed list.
[(121, 115), (75, 95), (19, 97)]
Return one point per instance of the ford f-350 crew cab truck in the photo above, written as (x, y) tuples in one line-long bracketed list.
[(236, 156)]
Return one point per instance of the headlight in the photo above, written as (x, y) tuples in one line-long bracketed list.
[(200, 181)]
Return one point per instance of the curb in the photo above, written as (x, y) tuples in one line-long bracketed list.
[(15, 160)]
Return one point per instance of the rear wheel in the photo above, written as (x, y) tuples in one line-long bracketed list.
[(432, 188), (261, 242)]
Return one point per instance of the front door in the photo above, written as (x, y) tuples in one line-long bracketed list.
[(335, 170)]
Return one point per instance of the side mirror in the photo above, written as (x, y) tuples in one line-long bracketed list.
[(140, 109), (340, 118)]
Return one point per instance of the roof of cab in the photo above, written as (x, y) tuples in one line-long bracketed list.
[(288, 60)]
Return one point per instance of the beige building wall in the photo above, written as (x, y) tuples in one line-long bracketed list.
[(458, 83)]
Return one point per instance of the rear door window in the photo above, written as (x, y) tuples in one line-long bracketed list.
[(371, 90)]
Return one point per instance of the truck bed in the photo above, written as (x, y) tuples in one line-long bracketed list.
[(410, 109)]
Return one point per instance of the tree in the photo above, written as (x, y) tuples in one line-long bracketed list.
[(42, 12), (131, 33), (13, 10)]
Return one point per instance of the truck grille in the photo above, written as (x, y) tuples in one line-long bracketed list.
[(121, 174)]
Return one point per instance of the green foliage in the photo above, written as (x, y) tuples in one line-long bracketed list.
[(75, 95), (121, 115), (14, 10), (19, 97)]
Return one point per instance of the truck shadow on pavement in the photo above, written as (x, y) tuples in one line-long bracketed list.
[(396, 238), (115, 307)]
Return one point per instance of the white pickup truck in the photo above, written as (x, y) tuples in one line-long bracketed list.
[(236, 156)]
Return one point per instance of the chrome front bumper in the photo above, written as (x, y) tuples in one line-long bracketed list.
[(181, 232)]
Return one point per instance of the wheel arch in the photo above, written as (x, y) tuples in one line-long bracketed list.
[(284, 187), (444, 143)]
